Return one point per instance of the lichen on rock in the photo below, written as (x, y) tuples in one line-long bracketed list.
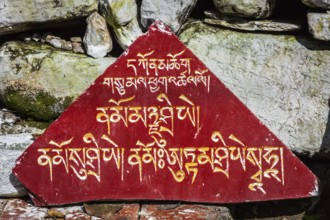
[(40, 81), (121, 15), (282, 79), (33, 14)]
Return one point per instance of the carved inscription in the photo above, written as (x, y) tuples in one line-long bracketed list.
[(159, 125), (155, 76), (183, 162)]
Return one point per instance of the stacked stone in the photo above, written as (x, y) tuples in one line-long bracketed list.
[(248, 16), (38, 77), (284, 80), (319, 18)]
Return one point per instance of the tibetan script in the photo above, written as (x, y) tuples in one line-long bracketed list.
[(159, 125)]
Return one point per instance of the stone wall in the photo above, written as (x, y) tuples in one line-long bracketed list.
[(273, 55)]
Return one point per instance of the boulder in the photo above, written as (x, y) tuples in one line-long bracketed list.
[(248, 8), (121, 15), (40, 81), (284, 80), (325, 4), (16, 16), (319, 25), (173, 12), (97, 39)]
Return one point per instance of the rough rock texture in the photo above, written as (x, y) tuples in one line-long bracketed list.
[(9, 185), (40, 81), (173, 12), (317, 3), (284, 83), (19, 209), (122, 16), (216, 19), (201, 212), (319, 25), (97, 39), (16, 17), (15, 136), (113, 211), (103, 210), (247, 8)]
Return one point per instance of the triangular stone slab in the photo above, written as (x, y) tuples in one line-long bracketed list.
[(158, 125)]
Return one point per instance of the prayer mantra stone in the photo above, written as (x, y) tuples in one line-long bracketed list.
[(159, 125)]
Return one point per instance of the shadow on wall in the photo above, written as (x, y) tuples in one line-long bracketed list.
[(284, 209), (312, 44), (316, 208), (325, 146)]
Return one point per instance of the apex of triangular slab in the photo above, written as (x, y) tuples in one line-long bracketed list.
[(160, 26)]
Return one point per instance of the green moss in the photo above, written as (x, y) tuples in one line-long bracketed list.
[(40, 106), (36, 124)]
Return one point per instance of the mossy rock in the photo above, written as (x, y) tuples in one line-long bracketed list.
[(40, 82), (40, 106)]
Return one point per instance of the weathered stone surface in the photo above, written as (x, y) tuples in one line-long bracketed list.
[(40, 81), (59, 43), (54, 213), (97, 39), (282, 81), (317, 3), (15, 136), (7, 117), (173, 12), (249, 25), (319, 25), (16, 16), (76, 39), (102, 210), (200, 212), (71, 213), (20, 209), (77, 47), (15, 141), (248, 8), (122, 16), (113, 211), (9, 185)]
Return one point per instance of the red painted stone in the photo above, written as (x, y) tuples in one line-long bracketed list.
[(158, 125)]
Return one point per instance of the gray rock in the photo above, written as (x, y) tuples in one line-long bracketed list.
[(9, 185), (7, 117), (248, 8), (317, 3), (319, 25), (16, 141), (57, 43), (40, 81), (249, 25), (97, 39), (77, 47), (122, 16), (173, 12), (16, 16), (67, 45), (283, 80), (76, 39)]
